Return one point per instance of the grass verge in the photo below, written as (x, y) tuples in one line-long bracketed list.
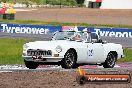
[(11, 51), (64, 24), (128, 56)]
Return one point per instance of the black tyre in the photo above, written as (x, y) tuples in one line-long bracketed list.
[(81, 80), (110, 61), (31, 65), (69, 60)]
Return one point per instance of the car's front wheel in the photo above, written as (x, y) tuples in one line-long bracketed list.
[(110, 61), (31, 65), (69, 60)]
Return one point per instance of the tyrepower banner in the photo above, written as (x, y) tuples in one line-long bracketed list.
[(28, 29), (110, 32), (113, 32), (43, 29)]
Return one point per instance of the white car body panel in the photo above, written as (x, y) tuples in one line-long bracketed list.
[(85, 55), (86, 52)]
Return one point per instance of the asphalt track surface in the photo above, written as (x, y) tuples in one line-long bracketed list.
[(25, 36), (118, 67), (126, 42), (61, 69)]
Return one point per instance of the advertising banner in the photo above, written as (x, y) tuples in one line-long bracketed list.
[(43, 29), (28, 29), (110, 32), (113, 32)]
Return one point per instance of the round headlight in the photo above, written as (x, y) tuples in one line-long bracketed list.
[(25, 46), (58, 49)]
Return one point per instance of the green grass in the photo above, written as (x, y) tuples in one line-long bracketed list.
[(51, 2), (128, 56), (64, 24), (11, 51)]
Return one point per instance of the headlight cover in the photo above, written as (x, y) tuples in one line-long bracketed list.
[(58, 49), (25, 46)]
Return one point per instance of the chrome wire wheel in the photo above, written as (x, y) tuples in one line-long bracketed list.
[(69, 60), (110, 61), (70, 57)]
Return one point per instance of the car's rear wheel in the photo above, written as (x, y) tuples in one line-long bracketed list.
[(69, 60), (110, 61), (31, 65)]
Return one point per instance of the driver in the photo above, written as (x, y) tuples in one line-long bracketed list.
[(77, 36)]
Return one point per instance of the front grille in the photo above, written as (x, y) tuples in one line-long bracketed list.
[(31, 52)]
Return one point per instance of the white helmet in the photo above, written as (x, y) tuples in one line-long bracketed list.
[(87, 30)]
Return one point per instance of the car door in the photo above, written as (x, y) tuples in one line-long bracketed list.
[(91, 52), (95, 52)]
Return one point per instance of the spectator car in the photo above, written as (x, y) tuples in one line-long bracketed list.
[(70, 52)]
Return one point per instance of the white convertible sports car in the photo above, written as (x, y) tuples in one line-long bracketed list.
[(71, 49)]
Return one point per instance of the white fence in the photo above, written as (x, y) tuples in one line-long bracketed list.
[(116, 4)]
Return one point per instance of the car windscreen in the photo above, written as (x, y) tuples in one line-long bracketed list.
[(70, 35), (62, 35)]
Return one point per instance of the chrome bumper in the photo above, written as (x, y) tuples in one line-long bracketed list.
[(44, 59)]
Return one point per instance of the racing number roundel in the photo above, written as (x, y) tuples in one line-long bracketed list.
[(90, 53)]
